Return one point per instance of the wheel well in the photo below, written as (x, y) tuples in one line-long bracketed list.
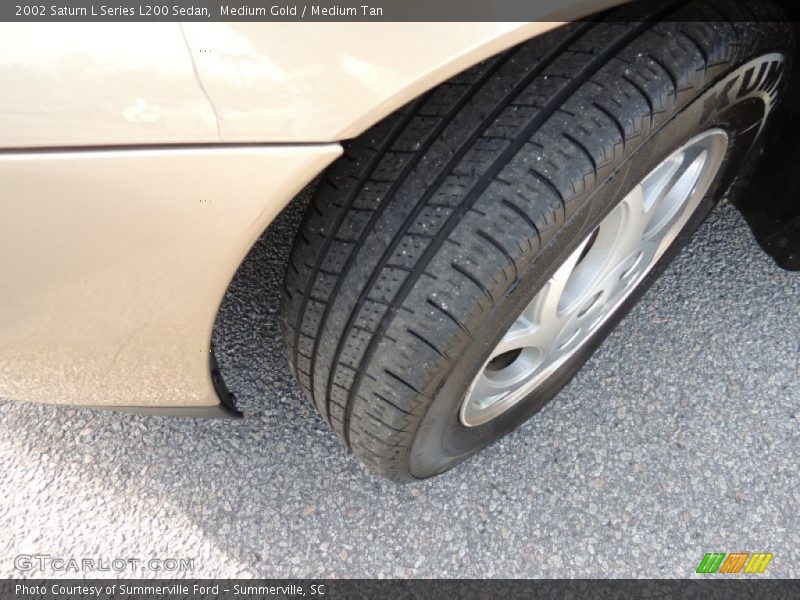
[(768, 193)]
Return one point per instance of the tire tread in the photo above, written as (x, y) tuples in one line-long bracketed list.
[(430, 216)]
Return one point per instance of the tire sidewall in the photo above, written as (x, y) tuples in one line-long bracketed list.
[(733, 104)]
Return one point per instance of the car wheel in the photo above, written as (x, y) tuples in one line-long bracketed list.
[(465, 257)]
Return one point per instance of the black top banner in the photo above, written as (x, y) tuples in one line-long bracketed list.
[(367, 11), (292, 10)]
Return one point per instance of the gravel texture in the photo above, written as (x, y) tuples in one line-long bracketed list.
[(679, 437)]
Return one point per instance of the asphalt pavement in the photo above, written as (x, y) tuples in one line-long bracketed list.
[(679, 437)]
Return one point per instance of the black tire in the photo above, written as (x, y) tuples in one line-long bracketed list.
[(426, 239)]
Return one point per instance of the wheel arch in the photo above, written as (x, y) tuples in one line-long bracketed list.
[(316, 82)]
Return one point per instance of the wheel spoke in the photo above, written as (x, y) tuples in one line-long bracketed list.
[(541, 320), (522, 333), (660, 182), (485, 392), (694, 190), (547, 309), (672, 203), (634, 222)]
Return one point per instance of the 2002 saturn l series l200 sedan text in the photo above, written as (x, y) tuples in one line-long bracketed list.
[(103, 10), (492, 199)]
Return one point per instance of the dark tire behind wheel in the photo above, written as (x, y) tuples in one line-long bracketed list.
[(442, 220)]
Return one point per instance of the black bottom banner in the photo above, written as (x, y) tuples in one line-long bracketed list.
[(197, 589)]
